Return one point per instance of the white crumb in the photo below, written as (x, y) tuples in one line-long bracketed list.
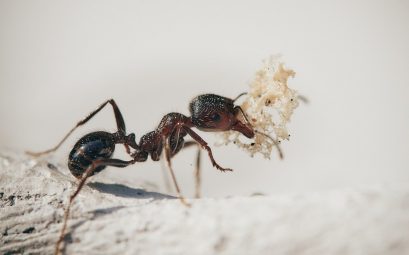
[(269, 105)]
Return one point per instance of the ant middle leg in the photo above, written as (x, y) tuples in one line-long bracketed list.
[(168, 160), (197, 174), (119, 122), (87, 173), (198, 180)]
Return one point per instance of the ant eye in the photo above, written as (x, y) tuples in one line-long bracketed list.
[(215, 117)]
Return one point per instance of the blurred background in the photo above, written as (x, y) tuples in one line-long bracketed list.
[(59, 60)]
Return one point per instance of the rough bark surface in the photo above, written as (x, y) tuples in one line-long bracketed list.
[(112, 218)]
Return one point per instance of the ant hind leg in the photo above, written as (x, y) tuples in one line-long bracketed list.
[(119, 122), (87, 173)]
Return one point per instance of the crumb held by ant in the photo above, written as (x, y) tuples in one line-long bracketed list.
[(269, 104)]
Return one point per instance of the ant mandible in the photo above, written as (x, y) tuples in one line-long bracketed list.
[(93, 152)]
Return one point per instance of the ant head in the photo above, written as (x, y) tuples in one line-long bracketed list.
[(216, 113)]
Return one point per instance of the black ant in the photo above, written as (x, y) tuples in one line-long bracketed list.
[(93, 152)]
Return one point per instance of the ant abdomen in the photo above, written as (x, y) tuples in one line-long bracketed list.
[(91, 147)]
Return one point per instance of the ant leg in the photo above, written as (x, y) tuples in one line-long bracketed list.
[(198, 180), (203, 143), (197, 170), (87, 173), (168, 156), (165, 175), (119, 122)]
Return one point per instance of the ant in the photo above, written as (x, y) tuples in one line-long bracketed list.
[(93, 152)]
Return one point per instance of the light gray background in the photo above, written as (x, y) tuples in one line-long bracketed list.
[(61, 59)]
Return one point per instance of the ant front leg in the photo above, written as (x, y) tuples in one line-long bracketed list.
[(204, 145), (119, 122), (87, 173)]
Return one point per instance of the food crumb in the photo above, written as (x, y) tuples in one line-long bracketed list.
[(269, 105)]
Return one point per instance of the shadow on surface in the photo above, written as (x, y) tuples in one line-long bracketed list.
[(68, 239), (125, 191), (114, 189)]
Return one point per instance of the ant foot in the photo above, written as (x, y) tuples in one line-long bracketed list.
[(183, 201), (223, 169)]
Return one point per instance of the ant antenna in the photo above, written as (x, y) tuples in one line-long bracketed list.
[(276, 143), (242, 94), (303, 99)]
